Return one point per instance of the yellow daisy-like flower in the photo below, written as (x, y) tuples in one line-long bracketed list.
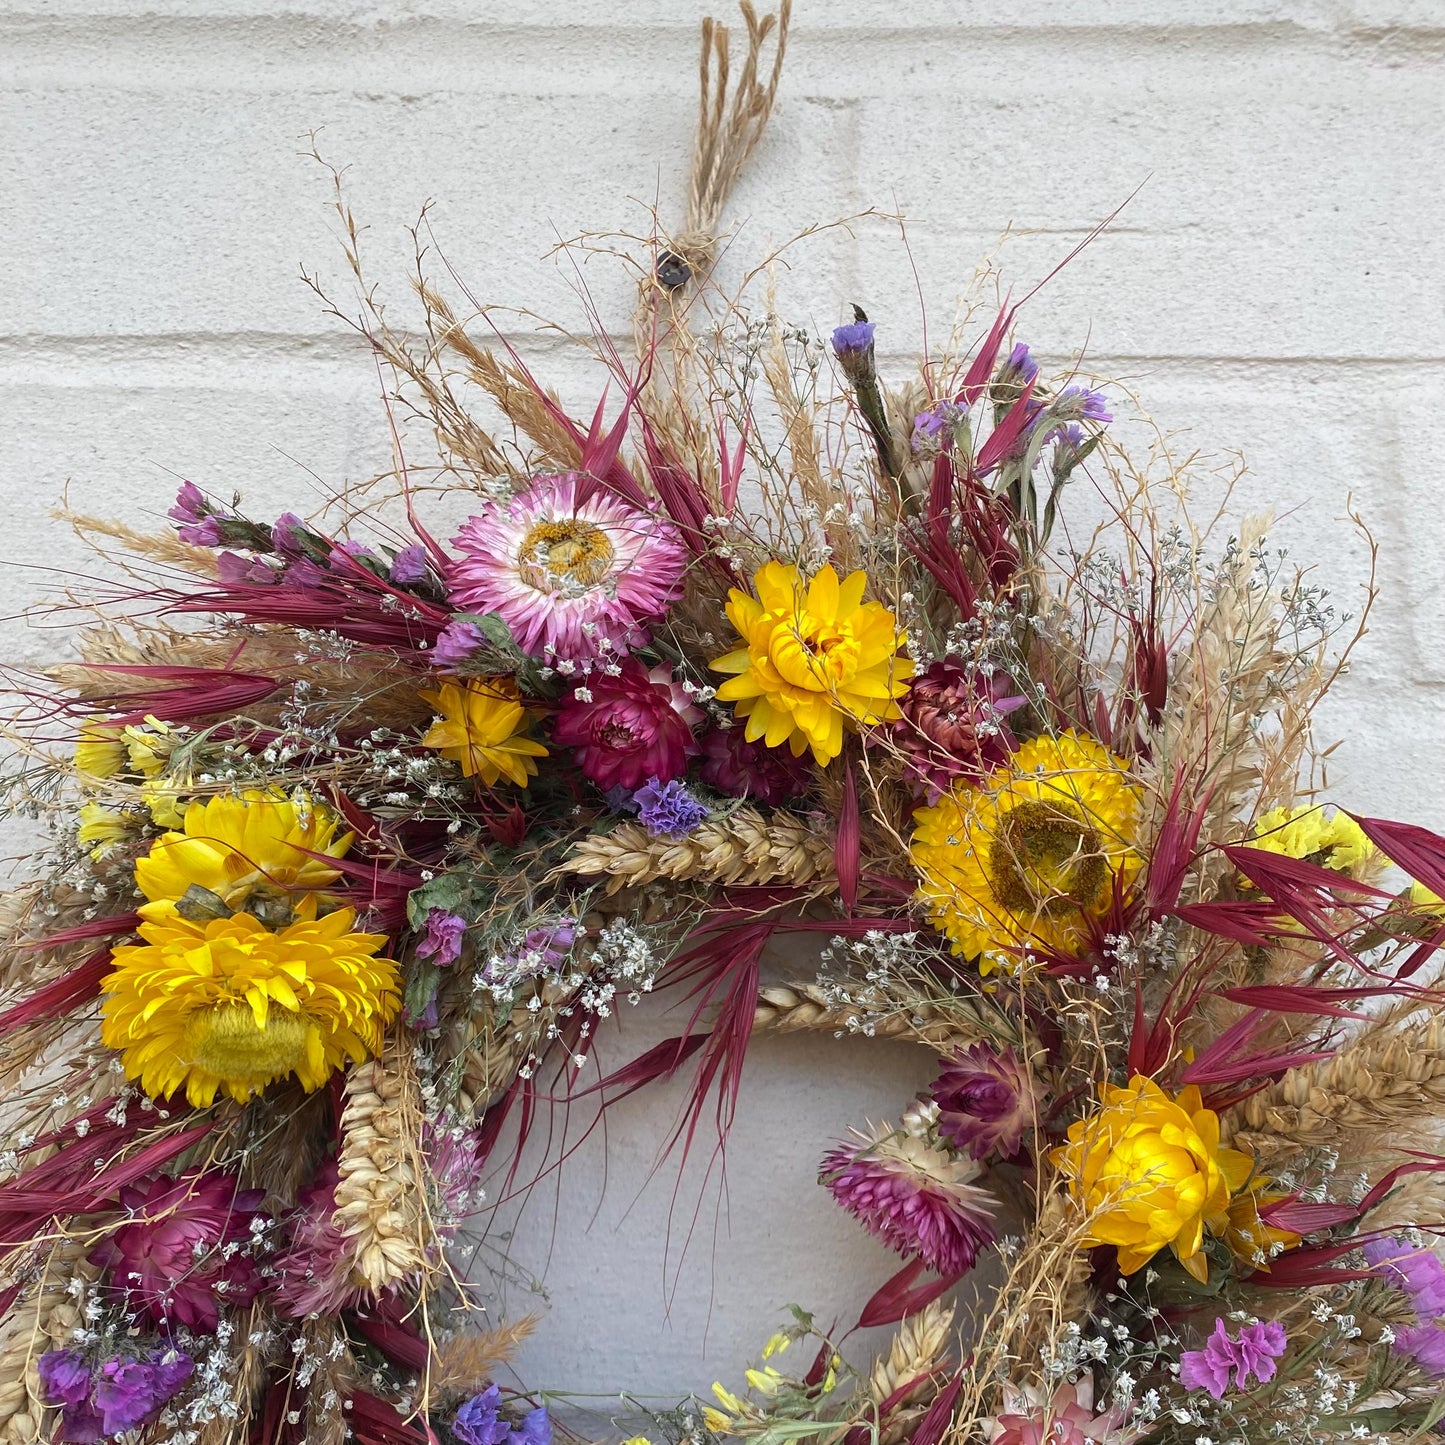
[(228, 1006), (815, 657), (236, 846), (1150, 1172), (102, 829), (1332, 840), (481, 726), (149, 746), (100, 751), (1026, 859)]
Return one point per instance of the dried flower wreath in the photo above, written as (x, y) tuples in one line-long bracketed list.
[(362, 834)]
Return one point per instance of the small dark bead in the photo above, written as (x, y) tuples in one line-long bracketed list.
[(673, 271)]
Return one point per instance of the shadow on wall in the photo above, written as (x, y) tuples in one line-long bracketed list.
[(656, 1288)]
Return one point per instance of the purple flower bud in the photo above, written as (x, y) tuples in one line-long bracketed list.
[(442, 937), (237, 571), (409, 565), (1021, 366), (853, 346), (285, 533), (205, 533), (191, 505), (456, 643), (1080, 403), (985, 1100), (667, 809), (343, 554)]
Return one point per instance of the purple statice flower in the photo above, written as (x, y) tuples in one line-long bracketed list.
[(917, 1199), (65, 1374), (544, 949), (478, 1423), (668, 810), (205, 533), (442, 937), (409, 565), (130, 1393), (456, 642), (620, 800), (933, 429), (237, 571), (1020, 368), (1420, 1274), (1081, 403), (343, 554), (853, 346), (985, 1100), (1225, 1361)]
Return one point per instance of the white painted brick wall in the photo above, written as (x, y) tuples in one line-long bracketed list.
[(1277, 285)]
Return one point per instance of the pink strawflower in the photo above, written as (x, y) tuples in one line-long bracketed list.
[(954, 725), (1224, 1361), (1065, 1416), (741, 769), (313, 1270), (985, 1100), (916, 1199), (181, 1254), (626, 729), (569, 581)]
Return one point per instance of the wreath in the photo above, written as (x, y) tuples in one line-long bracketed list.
[(358, 838)]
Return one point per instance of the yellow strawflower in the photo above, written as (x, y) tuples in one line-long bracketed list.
[(228, 1006), (1332, 840), (1150, 1172), (236, 846), (99, 749), (149, 746), (815, 657), (1249, 1239), (481, 726), (1028, 858)]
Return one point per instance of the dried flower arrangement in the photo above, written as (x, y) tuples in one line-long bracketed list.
[(361, 837)]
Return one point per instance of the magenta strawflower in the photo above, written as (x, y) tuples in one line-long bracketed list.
[(954, 725), (916, 1199), (179, 1256), (1226, 1362), (741, 769), (985, 1100), (313, 1269), (628, 728), (570, 580)]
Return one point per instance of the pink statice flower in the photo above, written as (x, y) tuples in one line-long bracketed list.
[(571, 579), (741, 769), (985, 1100), (313, 1272), (627, 728), (182, 1250), (1420, 1274), (1065, 1415), (917, 1199), (1225, 1362)]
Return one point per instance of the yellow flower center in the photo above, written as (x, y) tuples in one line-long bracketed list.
[(1046, 856), (227, 1042), (813, 654), (555, 554)]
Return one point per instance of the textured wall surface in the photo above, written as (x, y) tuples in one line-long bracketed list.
[(1276, 286)]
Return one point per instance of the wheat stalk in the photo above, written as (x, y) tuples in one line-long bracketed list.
[(805, 1007), (919, 1350), (744, 847), (379, 1204)]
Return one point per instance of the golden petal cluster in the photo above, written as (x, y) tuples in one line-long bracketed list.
[(816, 658)]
